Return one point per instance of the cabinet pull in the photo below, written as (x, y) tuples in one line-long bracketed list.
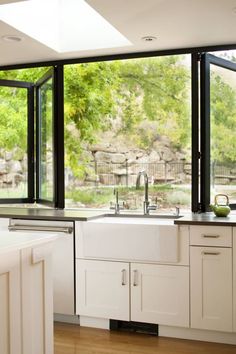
[(123, 280), (135, 283), (211, 236), (42, 228), (211, 253)]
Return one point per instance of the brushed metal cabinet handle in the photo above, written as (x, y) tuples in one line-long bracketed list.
[(211, 253), (66, 230), (123, 277), (135, 283), (211, 236)]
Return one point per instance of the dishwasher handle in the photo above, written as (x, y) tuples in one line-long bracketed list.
[(42, 228)]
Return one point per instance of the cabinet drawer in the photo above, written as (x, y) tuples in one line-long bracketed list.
[(219, 236)]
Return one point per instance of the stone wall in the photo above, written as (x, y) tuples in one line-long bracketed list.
[(13, 168), (117, 163)]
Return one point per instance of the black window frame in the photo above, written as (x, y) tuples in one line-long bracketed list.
[(33, 139), (30, 140), (206, 60), (57, 74), (200, 110)]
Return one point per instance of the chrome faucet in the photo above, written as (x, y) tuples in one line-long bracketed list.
[(117, 207), (146, 204)]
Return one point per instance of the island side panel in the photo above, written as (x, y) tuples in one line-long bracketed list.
[(10, 303), (37, 299)]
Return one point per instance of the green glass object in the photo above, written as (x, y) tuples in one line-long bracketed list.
[(221, 210)]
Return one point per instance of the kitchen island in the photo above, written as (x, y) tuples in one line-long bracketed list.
[(26, 306)]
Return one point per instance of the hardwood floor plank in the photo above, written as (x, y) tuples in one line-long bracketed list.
[(72, 339)]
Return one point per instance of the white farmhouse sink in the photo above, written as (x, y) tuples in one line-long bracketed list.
[(129, 238), (131, 220)]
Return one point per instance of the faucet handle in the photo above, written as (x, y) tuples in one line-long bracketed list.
[(177, 210), (152, 207), (116, 206)]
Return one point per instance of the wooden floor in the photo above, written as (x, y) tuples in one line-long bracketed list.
[(72, 339)]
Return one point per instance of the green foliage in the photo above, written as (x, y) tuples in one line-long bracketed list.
[(13, 118), (179, 197), (97, 198), (223, 120), (161, 86), (89, 106), (150, 97), (13, 108), (91, 197), (139, 99)]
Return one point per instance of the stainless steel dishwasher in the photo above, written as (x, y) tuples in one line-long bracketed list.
[(63, 259)]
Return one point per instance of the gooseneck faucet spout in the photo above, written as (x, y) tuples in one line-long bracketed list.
[(146, 206)]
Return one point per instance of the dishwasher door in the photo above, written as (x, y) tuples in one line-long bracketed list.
[(63, 259)]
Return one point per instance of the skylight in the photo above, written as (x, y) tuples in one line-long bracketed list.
[(63, 25)]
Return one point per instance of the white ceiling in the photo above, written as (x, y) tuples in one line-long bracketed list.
[(175, 23)]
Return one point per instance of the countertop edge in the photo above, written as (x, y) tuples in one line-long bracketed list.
[(206, 223), (73, 215), (36, 241)]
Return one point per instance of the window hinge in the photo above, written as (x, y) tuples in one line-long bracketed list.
[(199, 207), (199, 56), (199, 155)]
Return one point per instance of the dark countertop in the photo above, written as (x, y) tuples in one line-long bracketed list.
[(85, 215), (206, 219), (49, 214)]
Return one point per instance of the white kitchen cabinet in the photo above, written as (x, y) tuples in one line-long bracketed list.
[(10, 303), (26, 299), (211, 288), (102, 289), (234, 279), (160, 294), (62, 258)]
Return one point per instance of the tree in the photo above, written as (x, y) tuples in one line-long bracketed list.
[(13, 108), (160, 90), (89, 107), (223, 120)]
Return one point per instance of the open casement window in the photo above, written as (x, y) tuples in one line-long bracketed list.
[(17, 142), (45, 144), (50, 139), (217, 153), (29, 109)]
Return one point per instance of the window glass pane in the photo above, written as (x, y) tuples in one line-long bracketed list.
[(46, 142), (13, 142), (225, 54), (223, 128), (122, 117)]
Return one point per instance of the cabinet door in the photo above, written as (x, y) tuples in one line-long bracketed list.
[(102, 289), (160, 294), (10, 303), (211, 288), (234, 279)]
